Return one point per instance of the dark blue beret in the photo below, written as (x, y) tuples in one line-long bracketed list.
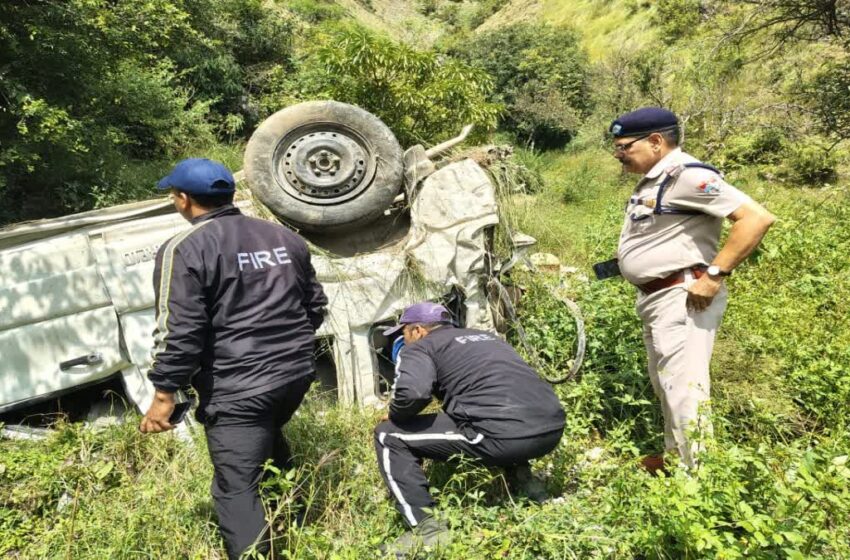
[(643, 121)]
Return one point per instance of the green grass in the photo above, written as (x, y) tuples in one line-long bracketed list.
[(606, 26), (576, 215)]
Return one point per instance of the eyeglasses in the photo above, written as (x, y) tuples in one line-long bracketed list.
[(620, 148)]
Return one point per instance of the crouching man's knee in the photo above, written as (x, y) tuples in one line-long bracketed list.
[(381, 431), (382, 428)]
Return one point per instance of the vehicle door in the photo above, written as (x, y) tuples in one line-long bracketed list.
[(55, 311)]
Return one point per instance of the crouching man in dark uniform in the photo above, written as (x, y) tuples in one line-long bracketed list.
[(237, 306), (496, 409)]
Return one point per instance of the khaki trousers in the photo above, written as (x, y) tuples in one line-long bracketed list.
[(679, 343)]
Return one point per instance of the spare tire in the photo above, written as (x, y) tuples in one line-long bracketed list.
[(324, 166)]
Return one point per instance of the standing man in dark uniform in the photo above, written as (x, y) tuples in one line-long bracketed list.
[(669, 250), (237, 306), (496, 409)]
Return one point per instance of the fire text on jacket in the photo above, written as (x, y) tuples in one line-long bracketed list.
[(263, 259)]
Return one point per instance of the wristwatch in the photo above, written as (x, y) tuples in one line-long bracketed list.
[(714, 270)]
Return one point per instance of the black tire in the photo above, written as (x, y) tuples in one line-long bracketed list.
[(324, 166)]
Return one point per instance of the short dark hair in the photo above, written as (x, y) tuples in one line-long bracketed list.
[(671, 135), (211, 201)]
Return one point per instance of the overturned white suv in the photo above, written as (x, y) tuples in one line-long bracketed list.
[(387, 228)]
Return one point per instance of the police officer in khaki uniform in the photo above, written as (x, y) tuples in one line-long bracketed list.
[(669, 250)]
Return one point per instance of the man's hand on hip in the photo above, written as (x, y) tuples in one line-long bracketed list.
[(702, 292), (156, 418)]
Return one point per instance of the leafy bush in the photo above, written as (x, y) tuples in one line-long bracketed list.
[(791, 309), (540, 74), (422, 97), (316, 11), (677, 18), (765, 146), (449, 13), (427, 7), (460, 17), (746, 503), (810, 163), (483, 10), (829, 100)]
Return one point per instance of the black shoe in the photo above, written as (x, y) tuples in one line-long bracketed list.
[(429, 534), (522, 482)]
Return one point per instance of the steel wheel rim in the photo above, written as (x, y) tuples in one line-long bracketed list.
[(323, 163)]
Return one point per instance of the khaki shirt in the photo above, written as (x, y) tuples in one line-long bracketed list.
[(657, 245)]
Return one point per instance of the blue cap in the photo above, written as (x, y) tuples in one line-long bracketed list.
[(199, 176), (423, 312), (643, 121)]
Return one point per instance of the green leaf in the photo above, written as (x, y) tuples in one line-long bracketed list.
[(103, 470)]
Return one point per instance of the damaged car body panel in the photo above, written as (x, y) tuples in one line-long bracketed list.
[(445, 248), (80, 287)]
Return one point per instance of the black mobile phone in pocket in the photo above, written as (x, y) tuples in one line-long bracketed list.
[(606, 269), (180, 410)]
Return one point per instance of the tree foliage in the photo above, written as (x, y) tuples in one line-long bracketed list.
[(540, 74), (793, 20), (829, 95), (89, 88), (678, 18), (421, 96)]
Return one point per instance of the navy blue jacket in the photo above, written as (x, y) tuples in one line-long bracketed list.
[(484, 385), (237, 304)]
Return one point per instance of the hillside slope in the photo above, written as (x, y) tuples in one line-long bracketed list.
[(606, 26), (400, 19)]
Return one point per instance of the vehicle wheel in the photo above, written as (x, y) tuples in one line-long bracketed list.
[(324, 166)]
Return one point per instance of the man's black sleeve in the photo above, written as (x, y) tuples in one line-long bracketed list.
[(415, 375), (315, 299), (181, 321)]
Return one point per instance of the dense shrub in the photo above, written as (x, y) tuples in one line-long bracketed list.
[(677, 18), (809, 163), (540, 74), (483, 10), (427, 7), (421, 96), (765, 146), (828, 96), (460, 17), (316, 11)]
